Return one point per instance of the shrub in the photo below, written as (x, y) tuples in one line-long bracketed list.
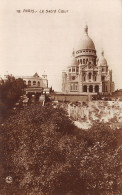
[(45, 154)]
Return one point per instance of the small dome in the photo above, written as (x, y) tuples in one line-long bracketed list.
[(102, 60), (73, 59), (86, 42)]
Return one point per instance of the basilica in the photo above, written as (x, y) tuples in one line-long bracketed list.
[(86, 73)]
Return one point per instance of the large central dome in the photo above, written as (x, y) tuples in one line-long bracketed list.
[(86, 42)]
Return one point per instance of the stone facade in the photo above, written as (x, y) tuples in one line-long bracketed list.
[(87, 74)]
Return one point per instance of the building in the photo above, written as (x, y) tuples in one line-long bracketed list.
[(86, 73), (117, 94), (36, 84)]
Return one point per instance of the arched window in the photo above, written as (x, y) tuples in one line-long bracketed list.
[(71, 87), (96, 88), (102, 69), (103, 87), (34, 82), (94, 61), (85, 88), (86, 60), (81, 61), (90, 88), (73, 69), (84, 77), (95, 77), (29, 83), (76, 87), (38, 83), (90, 75)]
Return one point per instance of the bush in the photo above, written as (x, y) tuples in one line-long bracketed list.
[(45, 154)]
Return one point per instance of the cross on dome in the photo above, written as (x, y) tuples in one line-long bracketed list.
[(102, 52), (73, 53), (86, 28)]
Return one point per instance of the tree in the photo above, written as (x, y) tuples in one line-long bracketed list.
[(46, 154), (10, 91)]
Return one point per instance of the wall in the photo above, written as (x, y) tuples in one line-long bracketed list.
[(69, 97)]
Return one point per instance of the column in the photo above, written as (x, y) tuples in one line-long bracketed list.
[(100, 88), (92, 76), (87, 76), (93, 88), (87, 88)]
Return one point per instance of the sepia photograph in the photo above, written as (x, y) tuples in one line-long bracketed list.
[(61, 97)]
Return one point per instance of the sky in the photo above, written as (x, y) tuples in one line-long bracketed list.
[(44, 40)]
